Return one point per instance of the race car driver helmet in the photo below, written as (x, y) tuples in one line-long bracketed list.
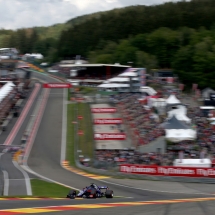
[(93, 186)]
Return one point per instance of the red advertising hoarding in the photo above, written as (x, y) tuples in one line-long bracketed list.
[(109, 136), (108, 121), (168, 171), (57, 85), (103, 110)]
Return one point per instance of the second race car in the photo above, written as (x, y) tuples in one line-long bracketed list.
[(92, 191)]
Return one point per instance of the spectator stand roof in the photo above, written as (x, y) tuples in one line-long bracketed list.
[(112, 85), (121, 79), (5, 90), (92, 65), (130, 72)]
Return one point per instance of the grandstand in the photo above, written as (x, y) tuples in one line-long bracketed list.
[(8, 98), (75, 71), (8, 53), (8, 63)]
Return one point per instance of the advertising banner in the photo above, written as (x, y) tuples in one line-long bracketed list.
[(103, 110), (168, 171), (109, 136), (108, 121), (57, 85)]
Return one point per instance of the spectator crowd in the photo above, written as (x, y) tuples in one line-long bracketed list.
[(144, 126)]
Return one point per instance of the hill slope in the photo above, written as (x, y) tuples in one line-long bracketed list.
[(121, 23)]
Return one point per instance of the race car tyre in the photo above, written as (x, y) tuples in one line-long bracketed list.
[(98, 195), (109, 194), (71, 194)]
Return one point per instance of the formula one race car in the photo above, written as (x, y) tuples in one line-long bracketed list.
[(92, 191)]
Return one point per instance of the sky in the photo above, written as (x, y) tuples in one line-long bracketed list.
[(16, 14)]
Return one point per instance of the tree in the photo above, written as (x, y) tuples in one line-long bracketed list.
[(146, 60), (124, 52)]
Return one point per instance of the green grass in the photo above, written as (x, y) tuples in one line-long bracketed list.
[(68, 94), (86, 141), (42, 188)]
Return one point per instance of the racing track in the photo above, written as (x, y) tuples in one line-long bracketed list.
[(45, 160)]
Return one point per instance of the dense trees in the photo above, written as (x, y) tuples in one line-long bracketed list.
[(189, 52), (122, 23), (177, 35)]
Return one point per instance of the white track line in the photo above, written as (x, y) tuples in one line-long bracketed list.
[(27, 179), (6, 183), (28, 169)]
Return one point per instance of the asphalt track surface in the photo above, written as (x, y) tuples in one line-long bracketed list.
[(45, 160)]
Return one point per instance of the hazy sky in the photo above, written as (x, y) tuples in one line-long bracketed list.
[(29, 13)]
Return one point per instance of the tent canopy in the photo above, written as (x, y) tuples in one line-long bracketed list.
[(120, 79), (180, 114), (193, 162), (174, 123), (172, 100), (178, 135), (206, 92), (6, 89)]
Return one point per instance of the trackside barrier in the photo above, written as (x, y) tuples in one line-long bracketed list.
[(119, 174), (193, 172)]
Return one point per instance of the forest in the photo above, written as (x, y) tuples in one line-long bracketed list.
[(177, 35)]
